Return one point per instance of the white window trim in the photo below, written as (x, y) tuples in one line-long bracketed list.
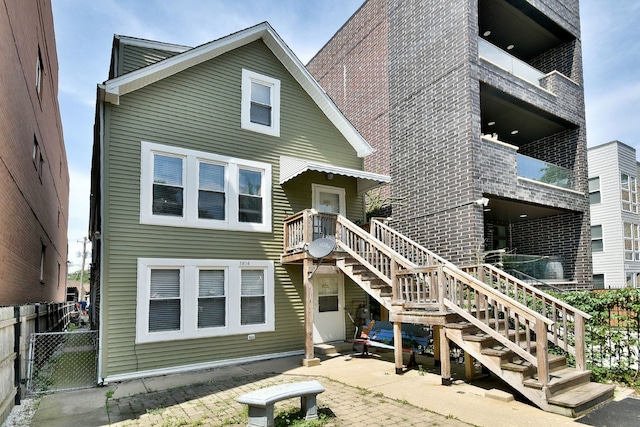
[(317, 188), (190, 183), (246, 123), (189, 298)]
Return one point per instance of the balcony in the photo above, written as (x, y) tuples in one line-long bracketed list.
[(510, 63), (544, 172)]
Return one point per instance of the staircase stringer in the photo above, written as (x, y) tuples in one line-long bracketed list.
[(514, 379)]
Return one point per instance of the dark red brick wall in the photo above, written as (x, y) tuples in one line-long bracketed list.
[(34, 196)]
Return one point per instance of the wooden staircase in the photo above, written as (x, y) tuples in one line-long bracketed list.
[(500, 321)]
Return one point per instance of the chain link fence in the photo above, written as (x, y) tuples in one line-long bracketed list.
[(61, 361)]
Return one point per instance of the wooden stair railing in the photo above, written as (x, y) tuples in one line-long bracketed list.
[(419, 277), (567, 330)]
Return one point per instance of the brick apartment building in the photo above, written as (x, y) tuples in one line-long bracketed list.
[(473, 101), (34, 176)]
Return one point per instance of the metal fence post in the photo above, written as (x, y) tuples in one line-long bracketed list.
[(16, 349)]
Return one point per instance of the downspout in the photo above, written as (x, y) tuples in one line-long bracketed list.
[(100, 379)]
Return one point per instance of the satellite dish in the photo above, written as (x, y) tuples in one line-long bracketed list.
[(320, 248)]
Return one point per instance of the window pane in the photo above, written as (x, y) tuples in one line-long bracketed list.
[(250, 209), (211, 312), (252, 302), (251, 282), (211, 177), (596, 231), (211, 205), (250, 182), (211, 283), (328, 303), (597, 246), (260, 114), (598, 281), (165, 284), (164, 315), (167, 186), (594, 184), (167, 170), (167, 200), (260, 93), (594, 198), (252, 310), (212, 301)]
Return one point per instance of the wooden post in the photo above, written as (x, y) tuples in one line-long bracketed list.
[(309, 356), (542, 353), (397, 346), (445, 362), (581, 363), (469, 369), (436, 344)]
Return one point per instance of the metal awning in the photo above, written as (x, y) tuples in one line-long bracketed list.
[(290, 167)]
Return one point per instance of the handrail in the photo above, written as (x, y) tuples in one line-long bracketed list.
[(419, 276), (568, 321)]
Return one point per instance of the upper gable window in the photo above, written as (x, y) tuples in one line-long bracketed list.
[(260, 103), (188, 188)]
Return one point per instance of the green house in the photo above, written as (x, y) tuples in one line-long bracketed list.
[(200, 155)]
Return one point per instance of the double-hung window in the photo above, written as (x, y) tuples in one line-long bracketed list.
[(260, 103), (594, 190), (199, 298), (597, 243), (188, 188)]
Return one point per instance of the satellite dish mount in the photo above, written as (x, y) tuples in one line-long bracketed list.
[(319, 249)]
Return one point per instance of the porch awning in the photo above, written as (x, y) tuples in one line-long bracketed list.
[(290, 167)]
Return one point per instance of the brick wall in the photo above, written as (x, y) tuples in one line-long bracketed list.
[(34, 196), (438, 163)]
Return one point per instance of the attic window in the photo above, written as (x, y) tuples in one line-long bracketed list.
[(260, 103)]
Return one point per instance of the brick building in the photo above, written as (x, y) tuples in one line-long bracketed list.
[(34, 176), (467, 102)]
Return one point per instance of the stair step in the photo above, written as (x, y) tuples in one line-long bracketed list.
[(561, 379), (577, 400)]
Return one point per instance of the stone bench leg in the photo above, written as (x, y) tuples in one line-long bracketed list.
[(309, 406), (261, 416)]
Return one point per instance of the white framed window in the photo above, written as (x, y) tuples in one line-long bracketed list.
[(594, 191), (629, 193), (260, 103), (328, 199), (631, 242), (188, 188), (597, 243), (198, 298)]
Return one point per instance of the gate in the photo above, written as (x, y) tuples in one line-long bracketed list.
[(61, 361)]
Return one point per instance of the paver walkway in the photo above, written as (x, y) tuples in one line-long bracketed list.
[(214, 404)]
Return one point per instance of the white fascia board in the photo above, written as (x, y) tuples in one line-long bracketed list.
[(134, 80)]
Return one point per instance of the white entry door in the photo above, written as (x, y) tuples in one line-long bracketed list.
[(328, 199), (328, 308)]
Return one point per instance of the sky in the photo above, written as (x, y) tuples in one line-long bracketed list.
[(85, 29)]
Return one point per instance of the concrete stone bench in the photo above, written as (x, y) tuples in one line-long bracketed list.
[(261, 401)]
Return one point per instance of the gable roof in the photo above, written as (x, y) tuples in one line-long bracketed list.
[(111, 90)]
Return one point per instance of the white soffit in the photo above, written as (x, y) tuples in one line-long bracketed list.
[(290, 167)]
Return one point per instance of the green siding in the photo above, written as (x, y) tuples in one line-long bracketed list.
[(136, 57), (200, 109)]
